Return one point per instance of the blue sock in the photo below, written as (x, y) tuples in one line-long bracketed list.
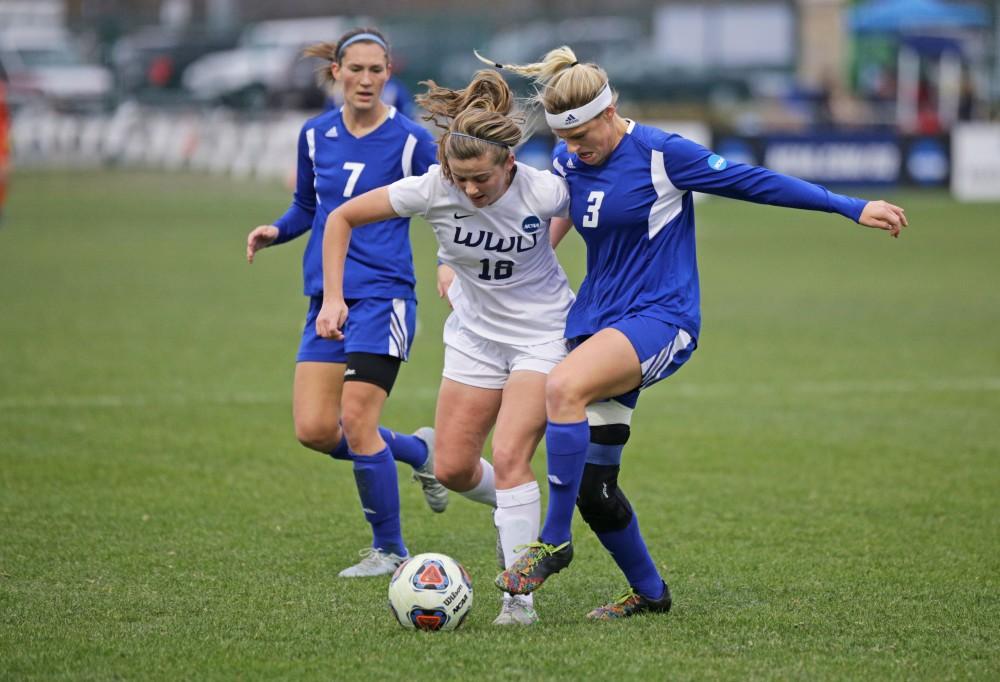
[(341, 451), (567, 453), (405, 448), (629, 551), (379, 492)]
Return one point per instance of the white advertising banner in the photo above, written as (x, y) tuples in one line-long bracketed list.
[(975, 153)]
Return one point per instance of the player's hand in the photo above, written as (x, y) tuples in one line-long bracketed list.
[(883, 216), (260, 237), (331, 319), (445, 276)]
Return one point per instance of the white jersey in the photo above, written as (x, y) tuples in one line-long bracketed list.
[(509, 286)]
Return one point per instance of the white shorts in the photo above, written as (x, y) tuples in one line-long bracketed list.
[(477, 361)]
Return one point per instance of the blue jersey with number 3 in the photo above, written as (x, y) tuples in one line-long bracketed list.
[(636, 215), (334, 166)]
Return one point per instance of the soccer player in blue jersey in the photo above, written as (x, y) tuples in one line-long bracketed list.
[(341, 385), (637, 315)]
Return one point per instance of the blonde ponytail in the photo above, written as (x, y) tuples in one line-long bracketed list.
[(561, 81)]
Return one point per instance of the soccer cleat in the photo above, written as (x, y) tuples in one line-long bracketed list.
[(537, 563), (632, 604), (373, 562), (516, 611), (435, 493)]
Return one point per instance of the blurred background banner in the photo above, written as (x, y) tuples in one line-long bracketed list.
[(876, 92), (851, 159)]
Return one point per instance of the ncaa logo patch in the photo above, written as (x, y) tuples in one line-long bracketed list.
[(531, 224), (716, 162)]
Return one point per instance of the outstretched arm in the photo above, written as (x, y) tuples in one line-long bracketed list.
[(691, 166), (370, 207)]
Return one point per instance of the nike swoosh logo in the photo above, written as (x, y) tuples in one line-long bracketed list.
[(459, 217)]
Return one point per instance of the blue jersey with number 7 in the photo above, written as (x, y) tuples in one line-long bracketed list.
[(334, 166)]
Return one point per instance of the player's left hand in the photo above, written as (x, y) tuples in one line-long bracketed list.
[(883, 216)]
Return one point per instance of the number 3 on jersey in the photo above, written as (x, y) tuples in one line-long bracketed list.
[(355, 169), (594, 202)]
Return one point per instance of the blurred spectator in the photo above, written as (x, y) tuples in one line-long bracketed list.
[(928, 119), (824, 103), (966, 97), (4, 146)]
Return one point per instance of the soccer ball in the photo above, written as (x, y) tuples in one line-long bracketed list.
[(430, 592)]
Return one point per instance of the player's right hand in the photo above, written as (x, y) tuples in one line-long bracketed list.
[(331, 319), (260, 237)]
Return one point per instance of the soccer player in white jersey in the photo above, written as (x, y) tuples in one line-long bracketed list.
[(491, 217), (637, 315), (340, 387)]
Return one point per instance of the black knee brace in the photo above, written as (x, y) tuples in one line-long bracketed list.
[(372, 368), (601, 502)]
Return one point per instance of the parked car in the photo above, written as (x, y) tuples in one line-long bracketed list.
[(259, 71), (151, 61), (41, 65)]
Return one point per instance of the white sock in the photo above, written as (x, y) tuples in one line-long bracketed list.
[(485, 491), (517, 518)]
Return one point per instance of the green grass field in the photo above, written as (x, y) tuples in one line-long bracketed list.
[(821, 482)]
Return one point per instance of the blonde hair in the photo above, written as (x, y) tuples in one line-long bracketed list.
[(483, 115), (561, 81), (331, 52)]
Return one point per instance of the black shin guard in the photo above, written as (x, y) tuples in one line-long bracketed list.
[(601, 502)]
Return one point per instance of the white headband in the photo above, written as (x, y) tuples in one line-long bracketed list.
[(580, 115)]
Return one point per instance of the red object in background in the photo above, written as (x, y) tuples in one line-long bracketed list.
[(161, 69)]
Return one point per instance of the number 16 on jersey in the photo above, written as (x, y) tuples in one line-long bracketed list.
[(502, 269)]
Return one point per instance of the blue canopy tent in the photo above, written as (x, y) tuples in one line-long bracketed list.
[(904, 16)]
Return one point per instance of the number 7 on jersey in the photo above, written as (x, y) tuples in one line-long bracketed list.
[(355, 168)]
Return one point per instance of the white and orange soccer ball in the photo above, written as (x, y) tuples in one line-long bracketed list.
[(430, 592)]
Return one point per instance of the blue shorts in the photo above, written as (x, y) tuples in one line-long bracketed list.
[(662, 349), (383, 326)]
